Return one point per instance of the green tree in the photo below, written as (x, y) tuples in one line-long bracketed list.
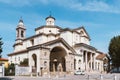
[(24, 62), (1, 43), (114, 51), (10, 71)]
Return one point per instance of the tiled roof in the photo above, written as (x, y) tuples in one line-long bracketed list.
[(3, 59), (18, 52), (101, 56)]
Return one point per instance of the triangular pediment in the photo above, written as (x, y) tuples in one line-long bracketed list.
[(62, 41), (82, 31)]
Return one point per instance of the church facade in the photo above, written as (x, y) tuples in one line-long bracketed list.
[(54, 48)]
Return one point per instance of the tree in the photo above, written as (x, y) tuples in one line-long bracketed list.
[(1, 43), (114, 51), (10, 71), (24, 62)]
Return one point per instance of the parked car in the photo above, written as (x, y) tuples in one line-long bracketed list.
[(79, 72), (115, 70)]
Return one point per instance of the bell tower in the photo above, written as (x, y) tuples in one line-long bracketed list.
[(20, 31)]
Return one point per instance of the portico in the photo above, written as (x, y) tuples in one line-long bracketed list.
[(89, 60)]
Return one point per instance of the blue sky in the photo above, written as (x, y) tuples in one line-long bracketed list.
[(101, 18)]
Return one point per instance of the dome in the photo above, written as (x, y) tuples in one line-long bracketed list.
[(49, 17)]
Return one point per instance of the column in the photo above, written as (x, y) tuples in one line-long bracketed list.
[(86, 65), (30, 65), (68, 66), (91, 61), (38, 64), (94, 61)]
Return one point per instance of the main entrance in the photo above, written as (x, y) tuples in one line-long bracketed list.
[(57, 59)]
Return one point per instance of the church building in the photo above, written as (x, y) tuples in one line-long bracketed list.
[(54, 48)]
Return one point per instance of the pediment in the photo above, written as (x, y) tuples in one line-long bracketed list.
[(59, 41), (82, 31)]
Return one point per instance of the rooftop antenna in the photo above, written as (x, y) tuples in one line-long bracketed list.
[(21, 19), (50, 13)]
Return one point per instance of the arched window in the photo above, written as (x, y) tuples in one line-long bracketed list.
[(22, 33), (32, 41), (18, 33), (74, 64), (19, 59)]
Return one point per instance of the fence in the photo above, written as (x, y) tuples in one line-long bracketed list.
[(20, 70), (1, 70)]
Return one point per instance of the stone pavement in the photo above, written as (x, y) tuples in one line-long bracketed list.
[(72, 77)]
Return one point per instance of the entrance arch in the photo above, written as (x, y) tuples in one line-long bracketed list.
[(34, 67), (57, 59)]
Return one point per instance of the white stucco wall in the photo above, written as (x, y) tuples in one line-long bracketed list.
[(17, 58), (84, 40), (51, 37), (67, 36), (48, 30)]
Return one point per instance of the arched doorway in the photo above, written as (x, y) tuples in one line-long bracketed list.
[(34, 67), (57, 59)]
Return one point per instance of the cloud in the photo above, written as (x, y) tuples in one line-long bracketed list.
[(98, 6), (80, 5), (16, 2)]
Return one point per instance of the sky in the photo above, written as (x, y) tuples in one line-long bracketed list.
[(100, 18)]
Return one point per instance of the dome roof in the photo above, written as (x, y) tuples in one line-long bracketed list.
[(49, 17)]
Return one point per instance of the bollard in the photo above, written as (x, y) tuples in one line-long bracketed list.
[(88, 77), (115, 77), (101, 77)]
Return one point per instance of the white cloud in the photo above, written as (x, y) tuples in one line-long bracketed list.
[(98, 6), (16, 2), (88, 5)]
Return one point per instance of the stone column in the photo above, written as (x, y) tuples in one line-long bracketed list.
[(38, 63), (68, 67), (30, 65), (86, 61), (94, 61), (91, 61)]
